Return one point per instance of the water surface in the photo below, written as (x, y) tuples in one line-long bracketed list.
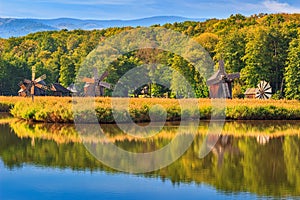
[(250, 160)]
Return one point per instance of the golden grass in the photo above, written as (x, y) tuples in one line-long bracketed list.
[(59, 109)]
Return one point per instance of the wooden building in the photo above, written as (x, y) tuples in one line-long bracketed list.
[(59, 90), (250, 93)]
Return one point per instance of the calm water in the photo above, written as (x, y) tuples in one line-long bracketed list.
[(49, 161)]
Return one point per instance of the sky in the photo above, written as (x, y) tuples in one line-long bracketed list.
[(134, 9)]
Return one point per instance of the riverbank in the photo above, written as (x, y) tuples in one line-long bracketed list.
[(59, 110)]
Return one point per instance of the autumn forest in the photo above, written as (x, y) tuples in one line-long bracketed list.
[(260, 47)]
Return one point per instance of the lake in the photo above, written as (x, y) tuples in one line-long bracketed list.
[(253, 159)]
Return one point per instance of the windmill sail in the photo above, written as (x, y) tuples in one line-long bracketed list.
[(27, 81), (103, 76), (96, 74), (104, 84), (88, 80), (264, 90), (32, 87), (41, 78), (233, 76)]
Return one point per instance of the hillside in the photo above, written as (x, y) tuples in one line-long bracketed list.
[(10, 27)]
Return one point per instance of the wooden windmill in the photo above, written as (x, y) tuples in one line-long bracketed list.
[(220, 83), (34, 86), (95, 86)]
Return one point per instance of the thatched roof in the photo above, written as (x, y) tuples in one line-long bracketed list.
[(215, 78), (56, 87)]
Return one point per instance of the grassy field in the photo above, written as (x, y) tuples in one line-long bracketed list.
[(58, 109)]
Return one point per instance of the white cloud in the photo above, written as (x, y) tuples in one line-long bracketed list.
[(277, 7)]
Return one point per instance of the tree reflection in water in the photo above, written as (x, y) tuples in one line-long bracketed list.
[(257, 157)]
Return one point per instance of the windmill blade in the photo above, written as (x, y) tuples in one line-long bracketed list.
[(41, 86), (104, 84), (38, 85), (259, 87), (268, 90), (268, 95), (43, 77), (96, 74), (266, 85), (103, 76), (23, 87), (258, 96), (27, 81), (222, 67), (32, 90), (33, 70), (20, 83), (264, 90), (88, 80), (262, 85), (233, 76), (33, 75)]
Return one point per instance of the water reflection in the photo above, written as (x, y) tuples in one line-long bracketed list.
[(258, 157)]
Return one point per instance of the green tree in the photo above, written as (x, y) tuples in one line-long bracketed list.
[(257, 58), (231, 48), (265, 57), (208, 41), (292, 71), (67, 71)]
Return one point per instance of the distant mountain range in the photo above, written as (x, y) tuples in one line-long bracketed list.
[(13, 27)]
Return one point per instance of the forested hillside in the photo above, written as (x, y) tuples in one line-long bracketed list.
[(261, 47), (16, 27)]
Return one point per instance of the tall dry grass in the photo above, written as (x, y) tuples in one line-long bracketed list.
[(59, 109)]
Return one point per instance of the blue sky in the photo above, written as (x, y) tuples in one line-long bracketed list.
[(133, 9)]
